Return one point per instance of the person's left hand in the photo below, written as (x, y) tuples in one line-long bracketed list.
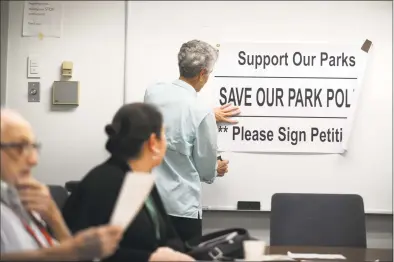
[(222, 167), (37, 197), (224, 113)]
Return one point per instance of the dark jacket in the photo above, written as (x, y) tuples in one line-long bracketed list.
[(93, 201)]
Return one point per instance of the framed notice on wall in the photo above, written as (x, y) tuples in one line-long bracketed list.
[(42, 18), (293, 97)]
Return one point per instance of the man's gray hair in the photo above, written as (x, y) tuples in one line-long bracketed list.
[(9, 117), (195, 56)]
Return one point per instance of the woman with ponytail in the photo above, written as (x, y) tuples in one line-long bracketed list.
[(136, 142)]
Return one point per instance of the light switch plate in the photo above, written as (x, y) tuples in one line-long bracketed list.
[(33, 92), (33, 67)]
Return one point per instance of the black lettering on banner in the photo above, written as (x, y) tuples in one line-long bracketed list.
[(330, 96), (352, 61), (292, 136), (247, 134), (341, 97), (266, 61), (262, 60), (260, 96), (279, 96), (331, 135), (291, 95), (252, 135), (310, 97), (273, 96), (342, 59), (317, 97), (259, 60), (339, 60), (248, 96), (237, 96), (241, 56), (347, 98), (299, 59), (236, 131), (323, 57), (314, 133), (299, 99), (223, 99)]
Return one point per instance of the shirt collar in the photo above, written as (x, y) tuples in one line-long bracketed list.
[(185, 85), (10, 197), (8, 193)]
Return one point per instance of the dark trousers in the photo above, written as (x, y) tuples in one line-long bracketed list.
[(187, 228)]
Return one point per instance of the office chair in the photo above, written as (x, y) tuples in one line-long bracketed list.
[(331, 220), (71, 185), (59, 195)]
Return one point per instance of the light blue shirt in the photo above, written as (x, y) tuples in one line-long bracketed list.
[(191, 134), (13, 235)]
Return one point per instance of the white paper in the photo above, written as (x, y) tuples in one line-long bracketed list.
[(135, 190), (276, 258), (271, 258), (315, 256), (42, 18)]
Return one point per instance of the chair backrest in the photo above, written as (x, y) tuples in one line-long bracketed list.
[(71, 185), (317, 220), (59, 195)]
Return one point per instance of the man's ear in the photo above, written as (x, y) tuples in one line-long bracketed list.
[(203, 72)]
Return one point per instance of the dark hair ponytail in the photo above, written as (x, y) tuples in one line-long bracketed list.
[(131, 126)]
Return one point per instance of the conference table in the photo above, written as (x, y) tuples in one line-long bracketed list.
[(351, 254)]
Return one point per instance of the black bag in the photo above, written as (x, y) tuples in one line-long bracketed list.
[(224, 245)]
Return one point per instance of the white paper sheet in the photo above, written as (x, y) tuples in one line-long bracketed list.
[(276, 258), (42, 18), (135, 189), (315, 256), (271, 258)]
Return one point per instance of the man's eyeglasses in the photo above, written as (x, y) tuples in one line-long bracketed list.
[(22, 147)]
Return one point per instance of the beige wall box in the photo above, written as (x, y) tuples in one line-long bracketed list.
[(65, 93), (67, 68)]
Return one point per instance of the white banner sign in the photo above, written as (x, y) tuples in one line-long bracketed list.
[(293, 97), (42, 18)]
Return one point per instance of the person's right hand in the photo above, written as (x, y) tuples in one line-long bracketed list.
[(222, 167), (97, 242), (168, 254)]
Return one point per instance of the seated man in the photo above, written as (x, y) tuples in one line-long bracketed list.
[(27, 207)]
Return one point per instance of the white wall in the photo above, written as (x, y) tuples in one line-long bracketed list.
[(73, 140), (369, 159), (93, 38), (4, 41)]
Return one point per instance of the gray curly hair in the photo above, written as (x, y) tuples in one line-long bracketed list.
[(195, 56)]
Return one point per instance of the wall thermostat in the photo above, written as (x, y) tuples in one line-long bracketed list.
[(67, 68)]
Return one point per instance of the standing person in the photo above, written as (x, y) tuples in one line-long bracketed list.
[(191, 132)]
